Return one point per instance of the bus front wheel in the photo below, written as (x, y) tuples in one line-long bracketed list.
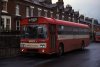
[(60, 50)]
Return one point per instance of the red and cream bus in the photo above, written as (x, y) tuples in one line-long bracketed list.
[(48, 35), (97, 36)]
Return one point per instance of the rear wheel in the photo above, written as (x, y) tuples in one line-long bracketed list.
[(83, 46)]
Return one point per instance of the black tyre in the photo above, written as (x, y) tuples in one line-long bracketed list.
[(83, 46), (60, 50)]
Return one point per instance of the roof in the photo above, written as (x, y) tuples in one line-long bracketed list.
[(42, 3), (55, 21), (36, 2), (61, 22), (68, 5), (61, 7)]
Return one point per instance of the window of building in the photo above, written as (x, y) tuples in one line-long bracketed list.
[(57, 10), (69, 14), (51, 14), (2, 24), (6, 22), (69, 18), (27, 11), (39, 11), (63, 17), (57, 15), (18, 25), (32, 8), (73, 15), (4, 6), (62, 12), (45, 13), (73, 20), (17, 10), (78, 21)]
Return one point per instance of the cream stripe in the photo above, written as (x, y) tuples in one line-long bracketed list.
[(62, 37)]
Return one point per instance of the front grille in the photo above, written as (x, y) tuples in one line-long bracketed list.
[(32, 50)]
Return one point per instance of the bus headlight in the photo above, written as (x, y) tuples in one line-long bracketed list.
[(42, 46)]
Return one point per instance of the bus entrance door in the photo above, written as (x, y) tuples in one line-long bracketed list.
[(52, 30)]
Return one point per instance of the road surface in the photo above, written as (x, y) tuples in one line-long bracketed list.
[(90, 57)]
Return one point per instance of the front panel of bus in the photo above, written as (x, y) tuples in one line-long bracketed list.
[(97, 36), (34, 38)]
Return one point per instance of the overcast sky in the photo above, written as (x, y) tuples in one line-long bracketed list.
[(90, 8)]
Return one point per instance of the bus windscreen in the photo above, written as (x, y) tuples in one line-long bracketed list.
[(34, 31)]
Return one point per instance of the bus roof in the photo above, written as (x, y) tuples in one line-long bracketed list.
[(61, 22), (46, 20)]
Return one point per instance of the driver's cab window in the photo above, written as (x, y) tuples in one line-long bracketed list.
[(34, 31), (42, 32)]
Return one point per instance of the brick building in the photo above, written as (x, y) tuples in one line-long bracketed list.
[(14, 10)]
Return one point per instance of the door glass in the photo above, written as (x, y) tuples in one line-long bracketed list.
[(53, 36)]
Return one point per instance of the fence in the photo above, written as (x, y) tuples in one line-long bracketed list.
[(9, 44)]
